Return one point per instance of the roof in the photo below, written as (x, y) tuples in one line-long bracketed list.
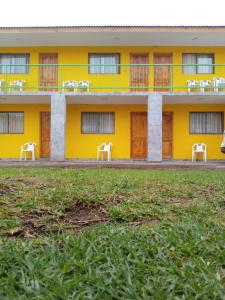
[(116, 28)]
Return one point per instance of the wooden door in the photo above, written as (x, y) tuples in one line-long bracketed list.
[(162, 73), (139, 135), (167, 135), (139, 74), (49, 74), (45, 121)]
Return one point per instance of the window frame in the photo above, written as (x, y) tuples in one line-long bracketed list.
[(204, 133), (98, 112), (196, 62), (105, 54), (12, 112), (27, 55)]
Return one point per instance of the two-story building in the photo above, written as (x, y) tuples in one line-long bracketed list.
[(151, 91)]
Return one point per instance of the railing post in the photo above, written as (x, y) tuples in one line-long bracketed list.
[(60, 78), (171, 78)]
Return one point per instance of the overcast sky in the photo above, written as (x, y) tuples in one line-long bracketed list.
[(111, 12)]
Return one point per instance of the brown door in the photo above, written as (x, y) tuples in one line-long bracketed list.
[(139, 135), (139, 74), (167, 135), (45, 119), (162, 73), (48, 74)]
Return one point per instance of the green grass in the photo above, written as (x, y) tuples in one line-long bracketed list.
[(164, 237)]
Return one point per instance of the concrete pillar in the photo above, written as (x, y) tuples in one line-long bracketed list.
[(155, 127), (58, 127)]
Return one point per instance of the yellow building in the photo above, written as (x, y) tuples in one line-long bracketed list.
[(152, 92)]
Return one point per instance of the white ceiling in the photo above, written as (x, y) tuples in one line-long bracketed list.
[(112, 38)]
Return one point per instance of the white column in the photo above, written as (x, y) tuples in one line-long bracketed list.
[(155, 127), (58, 127)]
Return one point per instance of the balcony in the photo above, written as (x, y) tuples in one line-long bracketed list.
[(167, 78)]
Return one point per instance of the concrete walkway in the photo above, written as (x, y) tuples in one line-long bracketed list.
[(218, 165)]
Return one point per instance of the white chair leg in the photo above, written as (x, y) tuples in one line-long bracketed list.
[(189, 90), (25, 155), (33, 158), (202, 90), (21, 153)]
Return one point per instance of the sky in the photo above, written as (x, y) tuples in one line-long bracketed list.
[(111, 12)]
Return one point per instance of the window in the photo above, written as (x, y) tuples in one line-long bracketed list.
[(198, 59), (99, 60), (98, 122), (11, 122), (206, 122), (14, 59)]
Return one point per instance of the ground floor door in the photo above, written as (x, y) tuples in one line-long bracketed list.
[(139, 74), (167, 135), (45, 134), (139, 135), (48, 73)]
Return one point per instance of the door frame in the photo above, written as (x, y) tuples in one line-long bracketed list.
[(172, 114), (131, 152), (47, 53)]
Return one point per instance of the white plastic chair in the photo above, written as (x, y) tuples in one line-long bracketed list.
[(16, 84), (70, 84), (218, 83), (199, 148), (84, 84), (104, 148), (1, 84), (192, 84), (205, 84), (28, 147)]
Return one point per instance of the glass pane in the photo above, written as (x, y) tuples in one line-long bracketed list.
[(5, 60), (16, 122), (19, 60), (95, 60), (189, 59), (205, 59), (206, 122), (109, 60), (98, 122), (4, 122)]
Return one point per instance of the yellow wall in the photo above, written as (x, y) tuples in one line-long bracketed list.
[(10, 143), (84, 145), (183, 140), (79, 55)]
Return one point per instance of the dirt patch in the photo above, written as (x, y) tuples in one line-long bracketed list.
[(30, 181), (6, 189), (82, 215), (178, 201)]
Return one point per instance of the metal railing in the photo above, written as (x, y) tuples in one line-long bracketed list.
[(130, 77)]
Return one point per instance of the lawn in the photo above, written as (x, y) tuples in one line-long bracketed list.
[(112, 234)]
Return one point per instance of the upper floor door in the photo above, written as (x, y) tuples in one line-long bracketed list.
[(162, 77), (139, 74), (48, 73)]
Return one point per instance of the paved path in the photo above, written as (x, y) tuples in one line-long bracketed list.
[(114, 164)]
